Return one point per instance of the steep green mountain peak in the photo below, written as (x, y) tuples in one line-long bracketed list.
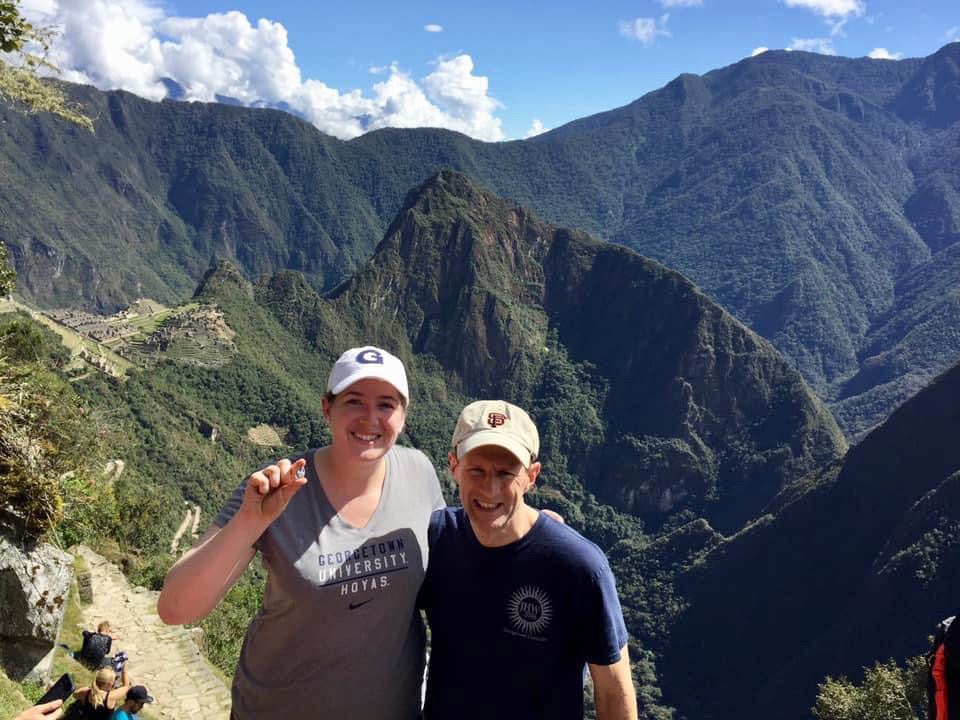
[(694, 411)]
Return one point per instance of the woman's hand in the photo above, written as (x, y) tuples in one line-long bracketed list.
[(269, 490)]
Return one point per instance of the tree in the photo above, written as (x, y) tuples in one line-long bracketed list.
[(20, 80), (888, 692)]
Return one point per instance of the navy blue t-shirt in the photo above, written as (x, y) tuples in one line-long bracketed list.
[(512, 627)]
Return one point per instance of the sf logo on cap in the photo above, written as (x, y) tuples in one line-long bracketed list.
[(370, 357), (496, 419)]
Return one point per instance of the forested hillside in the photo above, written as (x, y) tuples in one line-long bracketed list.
[(854, 564), (673, 436), (801, 192)]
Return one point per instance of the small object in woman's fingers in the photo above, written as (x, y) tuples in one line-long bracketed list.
[(301, 473)]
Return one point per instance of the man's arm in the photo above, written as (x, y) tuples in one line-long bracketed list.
[(613, 692)]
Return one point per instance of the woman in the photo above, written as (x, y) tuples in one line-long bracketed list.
[(98, 701), (342, 534)]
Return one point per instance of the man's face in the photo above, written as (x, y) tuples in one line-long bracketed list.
[(492, 484)]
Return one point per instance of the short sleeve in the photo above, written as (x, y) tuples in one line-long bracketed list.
[(604, 632), (231, 506), (438, 503)]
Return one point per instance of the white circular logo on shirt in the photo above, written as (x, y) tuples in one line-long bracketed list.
[(529, 610)]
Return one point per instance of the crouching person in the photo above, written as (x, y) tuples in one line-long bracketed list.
[(518, 603)]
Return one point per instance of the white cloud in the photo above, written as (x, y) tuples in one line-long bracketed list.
[(883, 54), (681, 3), (831, 8), (759, 51), (836, 27), (134, 45), (433, 28), (953, 34), (645, 30), (464, 97), (536, 128), (816, 45)]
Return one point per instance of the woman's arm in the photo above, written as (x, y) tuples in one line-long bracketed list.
[(116, 696), (200, 579)]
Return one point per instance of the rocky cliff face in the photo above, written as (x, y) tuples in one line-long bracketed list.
[(698, 412), (34, 587)]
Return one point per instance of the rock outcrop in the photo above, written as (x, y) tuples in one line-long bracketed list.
[(34, 586)]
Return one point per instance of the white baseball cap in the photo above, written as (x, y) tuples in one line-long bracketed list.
[(368, 362), (495, 422)]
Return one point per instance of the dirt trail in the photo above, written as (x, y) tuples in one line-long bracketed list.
[(164, 658), (190, 520)]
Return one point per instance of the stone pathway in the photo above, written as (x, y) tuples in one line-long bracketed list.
[(162, 657)]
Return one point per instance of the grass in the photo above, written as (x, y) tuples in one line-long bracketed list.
[(12, 700)]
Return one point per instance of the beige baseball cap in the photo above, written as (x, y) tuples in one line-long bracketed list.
[(495, 422)]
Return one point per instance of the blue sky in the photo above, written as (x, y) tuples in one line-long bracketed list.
[(496, 70)]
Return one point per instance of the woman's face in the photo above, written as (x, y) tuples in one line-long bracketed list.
[(365, 419)]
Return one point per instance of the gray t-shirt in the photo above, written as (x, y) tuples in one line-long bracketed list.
[(338, 635)]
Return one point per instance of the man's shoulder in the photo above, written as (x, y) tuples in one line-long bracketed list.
[(569, 545), (446, 518)]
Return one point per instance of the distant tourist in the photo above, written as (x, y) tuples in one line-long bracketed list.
[(517, 603), (342, 531), (96, 645), (137, 697)]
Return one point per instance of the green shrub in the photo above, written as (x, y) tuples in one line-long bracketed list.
[(888, 692), (225, 628)]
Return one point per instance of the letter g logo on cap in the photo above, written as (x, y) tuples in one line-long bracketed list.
[(370, 357)]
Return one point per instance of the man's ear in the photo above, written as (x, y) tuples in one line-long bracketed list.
[(452, 463), (532, 473)]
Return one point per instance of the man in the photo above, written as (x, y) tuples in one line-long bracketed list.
[(517, 602), (137, 697)]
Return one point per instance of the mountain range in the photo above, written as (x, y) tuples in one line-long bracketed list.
[(657, 409), (813, 197), (672, 435)]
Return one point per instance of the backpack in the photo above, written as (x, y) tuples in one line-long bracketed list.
[(96, 647), (943, 674)]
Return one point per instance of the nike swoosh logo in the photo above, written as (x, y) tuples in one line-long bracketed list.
[(354, 606)]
